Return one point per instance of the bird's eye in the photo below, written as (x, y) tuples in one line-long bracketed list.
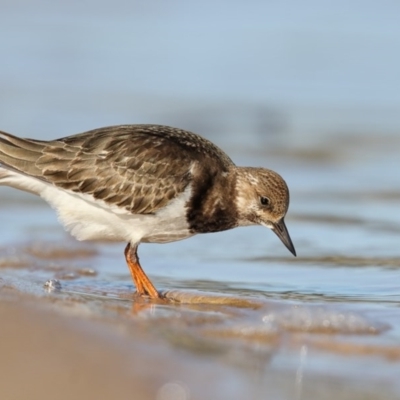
[(265, 201)]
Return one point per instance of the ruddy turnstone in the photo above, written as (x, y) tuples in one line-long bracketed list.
[(144, 183)]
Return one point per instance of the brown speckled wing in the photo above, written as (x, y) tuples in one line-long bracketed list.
[(139, 168)]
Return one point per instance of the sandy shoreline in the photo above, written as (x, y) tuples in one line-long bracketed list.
[(52, 347), (92, 338), (49, 351), (46, 357)]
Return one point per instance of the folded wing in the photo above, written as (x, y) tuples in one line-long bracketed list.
[(138, 168)]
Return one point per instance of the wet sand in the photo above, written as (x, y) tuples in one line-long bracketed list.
[(46, 356), (89, 340), (49, 352)]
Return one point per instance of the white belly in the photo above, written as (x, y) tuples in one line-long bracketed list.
[(87, 219)]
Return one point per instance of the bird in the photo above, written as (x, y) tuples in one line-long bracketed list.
[(144, 184)]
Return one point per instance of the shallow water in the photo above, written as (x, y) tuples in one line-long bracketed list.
[(267, 325)]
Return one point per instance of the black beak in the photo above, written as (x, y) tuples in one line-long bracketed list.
[(281, 231)]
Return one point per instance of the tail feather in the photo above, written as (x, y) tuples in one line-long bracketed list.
[(27, 144), (20, 154)]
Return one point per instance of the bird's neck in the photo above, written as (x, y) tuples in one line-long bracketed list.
[(212, 206)]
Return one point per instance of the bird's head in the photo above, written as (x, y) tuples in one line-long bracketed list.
[(263, 199)]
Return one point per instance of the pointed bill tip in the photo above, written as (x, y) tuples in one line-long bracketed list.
[(281, 231)]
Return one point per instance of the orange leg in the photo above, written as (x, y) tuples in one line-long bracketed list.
[(140, 279)]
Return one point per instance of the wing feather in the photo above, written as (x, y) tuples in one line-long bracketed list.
[(139, 168)]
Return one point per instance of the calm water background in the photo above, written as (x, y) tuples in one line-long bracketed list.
[(310, 89)]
